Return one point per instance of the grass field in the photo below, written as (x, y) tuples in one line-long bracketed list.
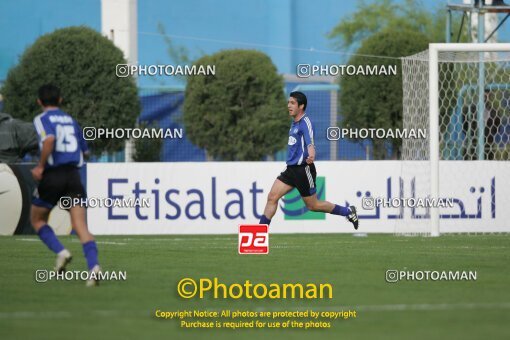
[(355, 266)]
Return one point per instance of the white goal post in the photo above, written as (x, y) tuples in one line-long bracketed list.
[(434, 50), (460, 94)]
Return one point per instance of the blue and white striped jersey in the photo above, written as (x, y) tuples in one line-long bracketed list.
[(69, 142), (300, 137)]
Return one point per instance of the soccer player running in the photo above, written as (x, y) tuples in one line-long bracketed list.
[(300, 172), (62, 148)]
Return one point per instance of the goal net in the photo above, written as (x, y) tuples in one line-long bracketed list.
[(460, 94)]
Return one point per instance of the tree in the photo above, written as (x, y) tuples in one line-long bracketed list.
[(376, 101), (178, 54), (148, 149), (377, 16), (82, 63), (239, 113)]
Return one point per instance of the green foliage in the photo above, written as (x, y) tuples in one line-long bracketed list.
[(148, 149), (178, 54), (372, 17), (82, 63), (239, 113), (384, 28), (376, 101)]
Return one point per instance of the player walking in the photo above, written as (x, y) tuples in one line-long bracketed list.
[(300, 172), (62, 148)]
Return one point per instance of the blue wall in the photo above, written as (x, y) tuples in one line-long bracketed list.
[(269, 26), (201, 26), (23, 21)]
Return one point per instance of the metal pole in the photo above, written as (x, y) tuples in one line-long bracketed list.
[(434, 135), (448, 26), (333, 121), (469, 25), (497, 27), (481, 90)]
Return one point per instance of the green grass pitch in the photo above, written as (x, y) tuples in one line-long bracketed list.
[(355, 266)]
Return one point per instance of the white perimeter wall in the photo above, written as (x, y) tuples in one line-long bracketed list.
[(198, 198)]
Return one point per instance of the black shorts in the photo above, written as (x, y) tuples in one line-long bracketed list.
[(58, 182), (303, 177)]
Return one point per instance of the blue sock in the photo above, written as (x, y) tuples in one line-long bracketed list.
[(90, 252), (264, 220), (342, 211), (49, 238)]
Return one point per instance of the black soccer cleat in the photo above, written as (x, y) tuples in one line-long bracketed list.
[(353, 217)]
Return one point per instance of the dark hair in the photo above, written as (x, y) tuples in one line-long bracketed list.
[(299, 97), (49, 95)]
